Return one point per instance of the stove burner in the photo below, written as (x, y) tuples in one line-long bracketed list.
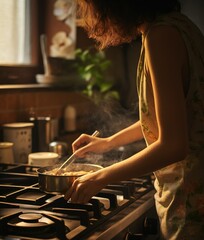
[(30, 217), (30, 220), (33, 224)]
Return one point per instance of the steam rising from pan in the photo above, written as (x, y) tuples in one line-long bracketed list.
[(110, 117)]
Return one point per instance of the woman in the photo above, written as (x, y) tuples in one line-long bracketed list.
[(170, 84)]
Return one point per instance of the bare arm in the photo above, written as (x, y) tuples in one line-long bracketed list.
[(128, 135), (86, 143)]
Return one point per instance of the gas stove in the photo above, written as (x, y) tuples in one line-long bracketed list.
[(123, 210)]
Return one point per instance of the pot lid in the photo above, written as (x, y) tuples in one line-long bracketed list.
[(5, 145), (18, 125)]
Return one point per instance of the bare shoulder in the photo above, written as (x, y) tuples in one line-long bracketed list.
[(162, 32), (165, 39)]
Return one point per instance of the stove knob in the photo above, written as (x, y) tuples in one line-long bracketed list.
[(150, 226), (131, 236)]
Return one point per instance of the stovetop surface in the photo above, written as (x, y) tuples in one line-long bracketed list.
[(28, 213)]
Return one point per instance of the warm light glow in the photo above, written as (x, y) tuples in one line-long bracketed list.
[(15, 35)]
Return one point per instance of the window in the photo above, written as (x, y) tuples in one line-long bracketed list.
[(15, 32), (19, 47)]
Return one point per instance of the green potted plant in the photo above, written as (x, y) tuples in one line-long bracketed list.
[(92, 68)]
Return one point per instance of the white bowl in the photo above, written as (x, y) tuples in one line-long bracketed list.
[(43, 159)]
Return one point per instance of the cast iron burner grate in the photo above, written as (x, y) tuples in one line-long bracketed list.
[(28, 213)]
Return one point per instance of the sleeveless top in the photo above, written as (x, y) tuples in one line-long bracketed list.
[(179, 187)]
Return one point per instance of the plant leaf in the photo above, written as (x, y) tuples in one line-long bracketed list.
[(105, 86)]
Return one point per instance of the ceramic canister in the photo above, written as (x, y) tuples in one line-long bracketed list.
[(6, 152), (43, 159), (20, 134)]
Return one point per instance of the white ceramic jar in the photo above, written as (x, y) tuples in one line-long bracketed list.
[(6, 152), (20, 134), (43, 159)]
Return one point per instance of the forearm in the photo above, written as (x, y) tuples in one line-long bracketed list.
[(86, 143), (152, 158), (128, 135)]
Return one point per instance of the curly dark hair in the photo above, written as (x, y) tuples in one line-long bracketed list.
[(113, 22)]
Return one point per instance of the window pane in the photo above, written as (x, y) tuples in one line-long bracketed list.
[(15, 32)]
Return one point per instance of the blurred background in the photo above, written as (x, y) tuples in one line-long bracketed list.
[(41, 77)]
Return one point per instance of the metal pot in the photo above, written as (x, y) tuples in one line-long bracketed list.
[(61, 148), (55, 184)]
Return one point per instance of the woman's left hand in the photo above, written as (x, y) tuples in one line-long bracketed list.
[(85, 187)]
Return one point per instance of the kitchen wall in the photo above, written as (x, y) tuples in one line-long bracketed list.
[(194, 10), (19, 104), (116, 54), (16, 104)]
